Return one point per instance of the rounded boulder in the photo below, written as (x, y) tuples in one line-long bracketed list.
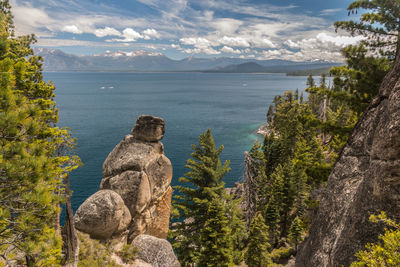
[(103, 215)]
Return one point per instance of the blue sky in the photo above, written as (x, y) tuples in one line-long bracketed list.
[(262, 29)]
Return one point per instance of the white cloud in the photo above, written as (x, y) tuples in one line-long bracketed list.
[(330, 11), (208, 51), (197, 42), (234, 41), (292, 44), (322, 46), (129, 35), (150, 34), (107, 31), (228, 49), (226, 25), (176, 46), (262, 43), (72, 29)]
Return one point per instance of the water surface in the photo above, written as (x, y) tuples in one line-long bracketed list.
[(101, 108)]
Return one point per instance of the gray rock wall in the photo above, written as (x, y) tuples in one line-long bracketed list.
[(364, 181)]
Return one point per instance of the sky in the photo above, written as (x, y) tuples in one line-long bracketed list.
[(299, 30)]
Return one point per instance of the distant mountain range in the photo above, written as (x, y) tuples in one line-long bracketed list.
[(56, 60)]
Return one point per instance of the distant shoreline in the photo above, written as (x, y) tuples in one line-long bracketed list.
[(133, 71)]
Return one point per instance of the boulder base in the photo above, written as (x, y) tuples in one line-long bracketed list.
[(103, 215), (156, 251)]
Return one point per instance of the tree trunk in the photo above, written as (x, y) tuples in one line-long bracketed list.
[(71, 242), (250, 190)]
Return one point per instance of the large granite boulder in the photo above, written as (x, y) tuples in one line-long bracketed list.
[(141, 174), (135, 193), (156, 251), (149, 128), (103, 215), (364, 181)]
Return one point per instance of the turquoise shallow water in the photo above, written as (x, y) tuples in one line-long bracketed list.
[(101, 108)]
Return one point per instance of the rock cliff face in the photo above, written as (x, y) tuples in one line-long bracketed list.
[(365, 180), (135, 192)]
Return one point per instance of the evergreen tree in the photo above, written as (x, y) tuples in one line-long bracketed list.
[(216, 245), (257, 172), (204, 184), (310, 81), (257, 254), (295, 231), (380, 25), (237, 224), (31, 169)]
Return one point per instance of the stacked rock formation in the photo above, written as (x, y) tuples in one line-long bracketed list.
[(135, 192), (364, 181)]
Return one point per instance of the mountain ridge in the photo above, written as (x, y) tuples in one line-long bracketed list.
[(140, 60)]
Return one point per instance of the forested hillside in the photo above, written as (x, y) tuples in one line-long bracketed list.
[(286, 175)]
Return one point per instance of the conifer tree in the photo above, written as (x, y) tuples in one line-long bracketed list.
[(204, 182), (216, 243), (257, 171), (257, 253), (310, 81), (295, 231), (30, 168), (380, 25), (237, 224)]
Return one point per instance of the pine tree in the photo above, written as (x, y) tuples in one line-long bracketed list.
[(380, 25), (310, 81), (257, 254), (204, 183), (216, 243), (31, 169), (259, 192), (295, 231), (238, 228)]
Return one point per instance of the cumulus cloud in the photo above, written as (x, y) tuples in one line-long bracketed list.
[(72, 29), (321, 47), (151, 34), (262, 43), (234, 41), (107, 31), (324, 41), (197, 42), (228, 49), (207, 50), (129, 35)]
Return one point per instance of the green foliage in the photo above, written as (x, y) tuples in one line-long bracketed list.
[(257, 171), (216, 246), (192, 203), (295, 231), (386, 252), (282, 253), (92, 253), (35, 155), (257, 253), (238, 228), (128, 253), (380, 25)]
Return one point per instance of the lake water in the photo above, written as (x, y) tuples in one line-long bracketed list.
[(101, 108)]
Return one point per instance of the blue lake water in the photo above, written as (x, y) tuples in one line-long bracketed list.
[(101, 108)]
